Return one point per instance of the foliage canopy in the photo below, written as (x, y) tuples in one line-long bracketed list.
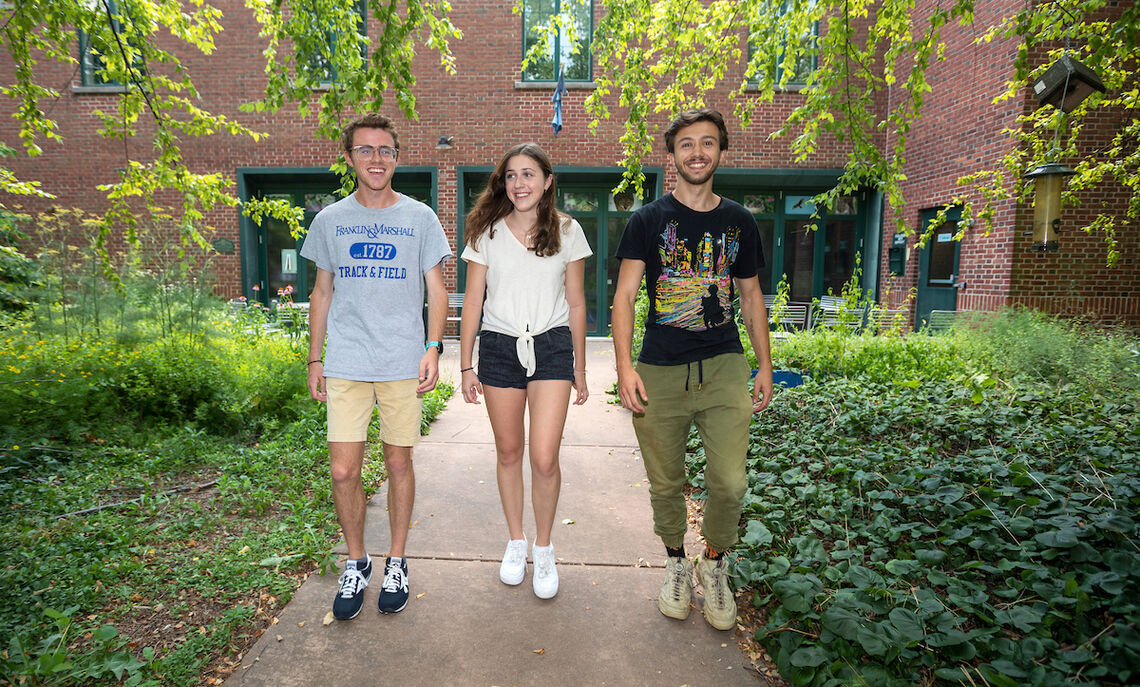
[(659, 56), (141, 44)]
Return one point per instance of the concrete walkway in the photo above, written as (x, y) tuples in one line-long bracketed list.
[(462, 626)]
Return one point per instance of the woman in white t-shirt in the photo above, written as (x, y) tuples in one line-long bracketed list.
[(528, 260)]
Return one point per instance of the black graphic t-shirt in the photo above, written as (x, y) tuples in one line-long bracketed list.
[(690, 260)]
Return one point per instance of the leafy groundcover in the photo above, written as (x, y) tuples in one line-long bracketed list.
[(937, 534)]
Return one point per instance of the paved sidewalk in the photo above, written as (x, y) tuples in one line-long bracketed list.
[(462, 626)]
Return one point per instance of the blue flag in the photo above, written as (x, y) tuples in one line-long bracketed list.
[(559, 91)]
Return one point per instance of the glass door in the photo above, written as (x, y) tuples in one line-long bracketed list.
[(937, 268), (603, 219)]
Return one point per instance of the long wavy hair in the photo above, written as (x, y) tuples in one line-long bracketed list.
[(494, 204)]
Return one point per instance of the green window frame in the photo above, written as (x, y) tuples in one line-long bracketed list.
[(322, 66), (539, 27), (807, 62), (90, 56)]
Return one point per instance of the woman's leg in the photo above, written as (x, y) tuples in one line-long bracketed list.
[(548, 401), (505, 409)]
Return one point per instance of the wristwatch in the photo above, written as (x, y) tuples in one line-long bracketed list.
[(437, 344)]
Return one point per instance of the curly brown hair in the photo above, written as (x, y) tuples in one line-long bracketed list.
[(494, 204), (372, 120), (690, 117)]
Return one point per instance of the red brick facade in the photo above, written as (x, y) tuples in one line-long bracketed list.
[(486, 110)]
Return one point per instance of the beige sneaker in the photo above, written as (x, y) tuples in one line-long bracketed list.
[(720, 603), (677, 592)]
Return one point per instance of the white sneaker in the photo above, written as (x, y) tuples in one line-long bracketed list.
[(513, 569), (545, 576)]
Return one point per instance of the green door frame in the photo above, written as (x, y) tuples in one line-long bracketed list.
[(940, 292)]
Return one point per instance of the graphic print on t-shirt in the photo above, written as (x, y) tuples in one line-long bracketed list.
[(369, 256), (694, 287)]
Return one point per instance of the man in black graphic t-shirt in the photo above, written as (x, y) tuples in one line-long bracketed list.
[(695, 251)]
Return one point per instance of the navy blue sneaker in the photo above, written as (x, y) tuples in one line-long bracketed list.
[(394, 591), (350, 597)]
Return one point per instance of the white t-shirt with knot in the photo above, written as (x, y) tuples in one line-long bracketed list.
[(526, 294)]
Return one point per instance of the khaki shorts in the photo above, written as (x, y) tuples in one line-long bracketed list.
[(350, 405)]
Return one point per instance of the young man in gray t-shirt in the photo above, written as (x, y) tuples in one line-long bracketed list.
[(375, 251)]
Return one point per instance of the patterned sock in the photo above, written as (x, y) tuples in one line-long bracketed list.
[(712, 554), (678, 552)]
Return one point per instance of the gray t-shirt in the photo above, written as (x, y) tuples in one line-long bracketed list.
[(377, 259)]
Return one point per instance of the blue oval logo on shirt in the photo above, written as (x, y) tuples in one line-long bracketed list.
[(372, 251)]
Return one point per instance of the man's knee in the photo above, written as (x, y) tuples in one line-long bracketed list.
[(346, 473), (398, 461)]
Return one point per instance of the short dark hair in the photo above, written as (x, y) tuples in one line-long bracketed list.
[(690, 117), (372, 120)]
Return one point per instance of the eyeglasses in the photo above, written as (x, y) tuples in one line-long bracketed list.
[(386, 152)]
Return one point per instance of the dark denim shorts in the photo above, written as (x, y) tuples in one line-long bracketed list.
[(499, 361)]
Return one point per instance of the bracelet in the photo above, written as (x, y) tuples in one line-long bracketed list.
[(311, 362), (467, 368), (582, 371)]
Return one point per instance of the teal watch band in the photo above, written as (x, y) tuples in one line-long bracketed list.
[(437, 344)]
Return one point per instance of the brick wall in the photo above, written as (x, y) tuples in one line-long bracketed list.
[(960, 133)]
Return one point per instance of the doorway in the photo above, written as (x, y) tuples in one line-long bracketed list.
[(937, 267)]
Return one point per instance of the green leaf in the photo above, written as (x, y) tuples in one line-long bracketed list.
[(1059, 539), (950, 493), (796, 592), (873, 640), (809, 656), (756, 534), (843, 622), (1021, 616)]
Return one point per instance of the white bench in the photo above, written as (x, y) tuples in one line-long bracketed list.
[(940, 320)]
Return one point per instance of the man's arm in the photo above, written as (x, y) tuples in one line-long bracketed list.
[(631, 390), (319, 301), (755, 317), (437, 318)]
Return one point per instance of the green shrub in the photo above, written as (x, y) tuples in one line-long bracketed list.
[(826, 351), (58, 389), (1018, 342)]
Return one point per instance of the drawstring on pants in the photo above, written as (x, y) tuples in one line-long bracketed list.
[(700, 375)]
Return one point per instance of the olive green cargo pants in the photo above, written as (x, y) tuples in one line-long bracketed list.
[(712, 394)]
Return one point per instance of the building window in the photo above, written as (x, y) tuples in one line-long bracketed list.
[(551, 30), (319, 64), (806, 61), (94, 51)]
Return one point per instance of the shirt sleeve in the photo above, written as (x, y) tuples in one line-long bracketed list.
[(577, 245), (435, 248), (472, 254), (632, 243), (749, 257), (315, 247)]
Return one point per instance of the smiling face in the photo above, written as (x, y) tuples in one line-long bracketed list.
[(696, 152), (373, 173), (525, 182)]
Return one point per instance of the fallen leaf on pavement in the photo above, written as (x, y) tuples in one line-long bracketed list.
[(329, 619), (539, 651)]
